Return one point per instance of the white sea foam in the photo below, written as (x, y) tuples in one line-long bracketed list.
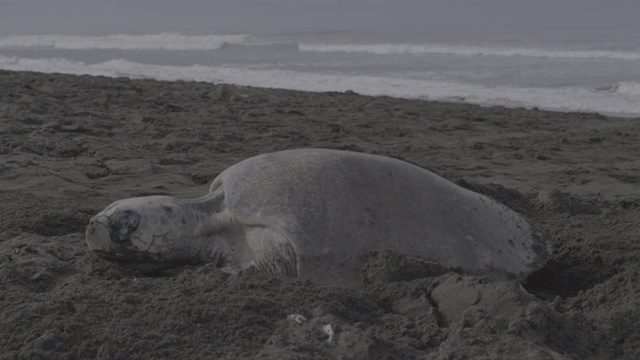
[(627, 87), (163, 41), (567, 98), (470, 50)]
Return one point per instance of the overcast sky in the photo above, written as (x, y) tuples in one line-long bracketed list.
[(148, 16)]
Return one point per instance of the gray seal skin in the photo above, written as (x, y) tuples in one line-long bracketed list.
[(316, 214)]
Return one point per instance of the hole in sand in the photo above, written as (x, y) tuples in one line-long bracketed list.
[(565, 278)]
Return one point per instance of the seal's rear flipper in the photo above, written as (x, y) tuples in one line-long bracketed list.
[(273, 252)]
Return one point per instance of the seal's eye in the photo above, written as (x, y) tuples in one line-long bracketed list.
[(122, 225)]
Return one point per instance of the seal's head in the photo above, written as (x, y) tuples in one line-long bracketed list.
[(147, 232)]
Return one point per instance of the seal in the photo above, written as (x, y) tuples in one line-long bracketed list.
[(316, 214)]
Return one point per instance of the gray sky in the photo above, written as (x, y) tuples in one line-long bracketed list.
[(148, 16)]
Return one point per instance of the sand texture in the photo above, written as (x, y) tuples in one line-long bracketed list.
[(70, 145)]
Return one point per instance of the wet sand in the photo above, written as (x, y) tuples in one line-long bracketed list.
[(70, 145)]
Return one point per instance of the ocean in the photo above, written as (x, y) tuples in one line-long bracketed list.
[(555, 69)]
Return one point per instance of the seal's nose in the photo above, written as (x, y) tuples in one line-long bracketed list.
[(97, 233), (91, 229), (122, 224)]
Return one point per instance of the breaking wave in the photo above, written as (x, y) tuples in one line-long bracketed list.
[(173, 41), (470, 50), (163, 41)]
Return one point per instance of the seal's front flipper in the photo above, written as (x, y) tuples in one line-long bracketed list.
[(273, 252)]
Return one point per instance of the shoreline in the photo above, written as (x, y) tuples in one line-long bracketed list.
[(299, 83)]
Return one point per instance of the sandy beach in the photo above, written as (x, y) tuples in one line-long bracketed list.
[(71, 145)]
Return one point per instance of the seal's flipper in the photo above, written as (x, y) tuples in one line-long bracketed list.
[(273, 252)]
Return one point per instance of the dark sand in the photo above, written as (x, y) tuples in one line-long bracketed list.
[(70, 145)]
